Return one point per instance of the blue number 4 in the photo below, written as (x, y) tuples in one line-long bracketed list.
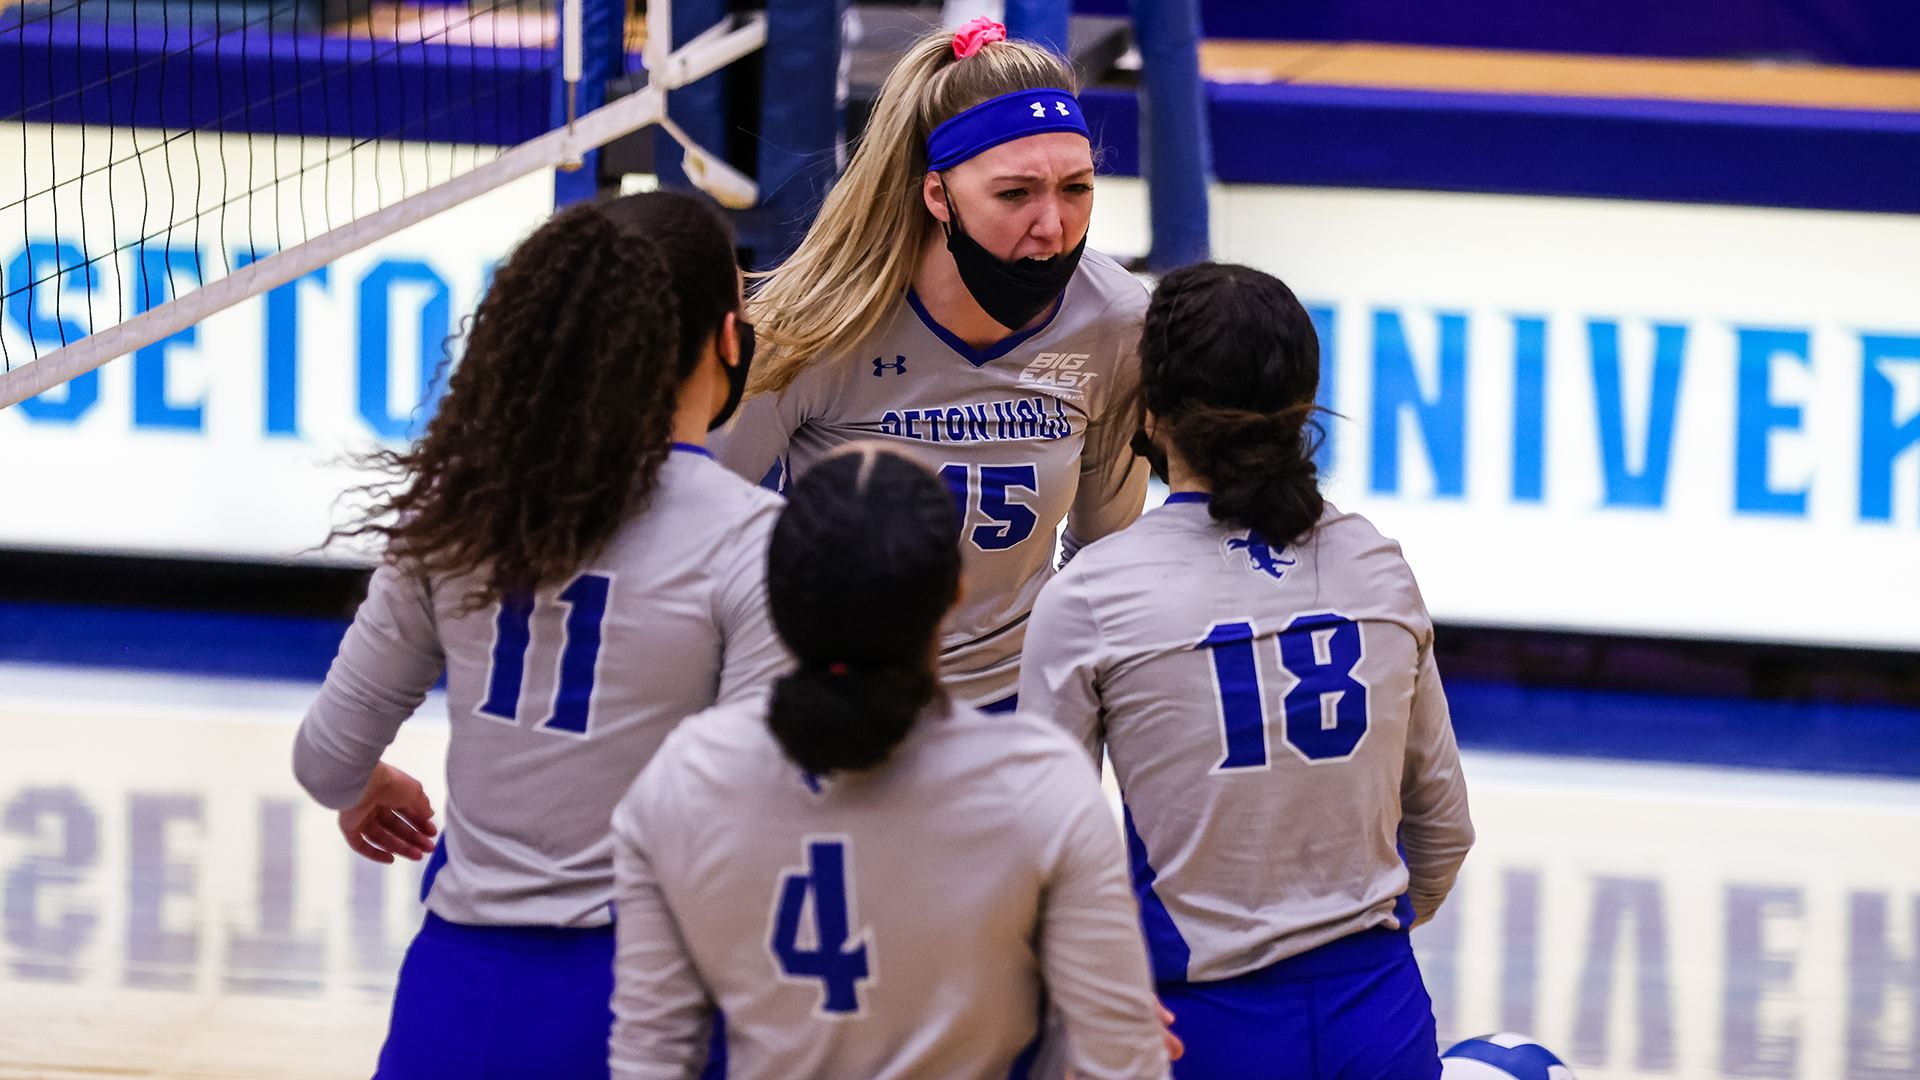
[(1326, 710), (1011, 522), (839, 968), (586, 600)]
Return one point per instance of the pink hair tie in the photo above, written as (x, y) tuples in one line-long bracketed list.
[(836, 668), (976, 34)]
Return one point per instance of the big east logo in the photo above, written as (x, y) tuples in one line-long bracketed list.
[(1061, 370)]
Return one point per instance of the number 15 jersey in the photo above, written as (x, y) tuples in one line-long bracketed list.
[(1026, 432), (1277, 726)]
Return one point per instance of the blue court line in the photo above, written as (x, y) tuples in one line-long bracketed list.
[(1880, 740), (184, 642)]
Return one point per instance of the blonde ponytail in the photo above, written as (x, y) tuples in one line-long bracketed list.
[(860, 254)]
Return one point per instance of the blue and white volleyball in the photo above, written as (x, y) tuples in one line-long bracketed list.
[(1504, 1056)]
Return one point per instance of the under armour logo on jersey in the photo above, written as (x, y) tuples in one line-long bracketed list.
[(1261, 557), (880, 366)]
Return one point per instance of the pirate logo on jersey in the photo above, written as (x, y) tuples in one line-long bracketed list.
[(1261, 558)]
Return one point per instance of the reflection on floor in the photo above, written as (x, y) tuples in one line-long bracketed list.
[(173, 907)]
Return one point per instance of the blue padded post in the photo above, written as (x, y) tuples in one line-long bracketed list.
[(800, 124), (1043, 22), (1176, 155)]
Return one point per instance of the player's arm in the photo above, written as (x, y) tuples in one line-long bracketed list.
[(1057, 665), (752, 654), (752, 443), (1435, 829), (662, 1017), (1092, 956), (1113, 480), (388, 661)]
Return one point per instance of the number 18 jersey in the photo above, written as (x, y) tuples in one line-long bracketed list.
[(1276, 724)]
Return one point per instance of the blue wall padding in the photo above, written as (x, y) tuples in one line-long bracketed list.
[(1883, 33), (1831, 159)]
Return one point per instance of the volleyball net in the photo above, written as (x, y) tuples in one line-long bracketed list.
[(177, 158)]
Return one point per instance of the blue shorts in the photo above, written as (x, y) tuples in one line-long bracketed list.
[(501, 1003), (506, 1003), (1354, 1009)]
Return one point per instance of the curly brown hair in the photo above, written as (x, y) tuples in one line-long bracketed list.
[(559, 416)]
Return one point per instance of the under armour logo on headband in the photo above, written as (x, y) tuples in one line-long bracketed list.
[(1002, 119), (976, 34)]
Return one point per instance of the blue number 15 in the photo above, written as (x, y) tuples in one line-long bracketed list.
[(990, 486), (1325, 711)]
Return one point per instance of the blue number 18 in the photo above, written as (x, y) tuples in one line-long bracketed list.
[(1326, 710)]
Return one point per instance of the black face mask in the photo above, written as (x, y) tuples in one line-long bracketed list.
[(737, 374), (1011, 293)]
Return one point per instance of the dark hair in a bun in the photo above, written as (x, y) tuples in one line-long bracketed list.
[(863, 565), (1230, 364)]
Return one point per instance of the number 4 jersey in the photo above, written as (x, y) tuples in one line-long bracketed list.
[(1025, 433), (907, 921), (557, 701), (1277, 726)]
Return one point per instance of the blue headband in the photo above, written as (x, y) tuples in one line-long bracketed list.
[(1003, 119)]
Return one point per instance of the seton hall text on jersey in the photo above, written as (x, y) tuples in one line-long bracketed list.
[(1037, 417)]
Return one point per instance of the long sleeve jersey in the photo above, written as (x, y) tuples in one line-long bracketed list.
[(1026, 433), (1276, 724), (556, 701), (910, 920)]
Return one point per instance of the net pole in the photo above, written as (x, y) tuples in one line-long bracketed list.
[(593, 53)]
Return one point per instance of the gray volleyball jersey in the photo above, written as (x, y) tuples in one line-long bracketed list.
[(908, 921), (1277, 726), (555, 706), (1025, 433)]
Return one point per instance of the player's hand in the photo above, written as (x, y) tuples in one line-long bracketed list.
[(393, 817), (1174, 1046)]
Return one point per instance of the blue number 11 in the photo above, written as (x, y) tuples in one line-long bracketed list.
[(586, 600)]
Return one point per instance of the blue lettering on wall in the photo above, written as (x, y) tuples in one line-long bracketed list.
[(1325, 324), (1529, 407), (1884, 437), (53, 323), (280, 342), (154, 285), (1442, 419), (1758, 416), (376, 301), (1646, 486)]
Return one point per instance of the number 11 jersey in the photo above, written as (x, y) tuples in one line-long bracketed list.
[(555, 701)]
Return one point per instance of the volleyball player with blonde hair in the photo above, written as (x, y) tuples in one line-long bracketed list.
[(944, 302)]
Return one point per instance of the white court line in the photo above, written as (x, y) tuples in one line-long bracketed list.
[(1720, 784), (169, 697)]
